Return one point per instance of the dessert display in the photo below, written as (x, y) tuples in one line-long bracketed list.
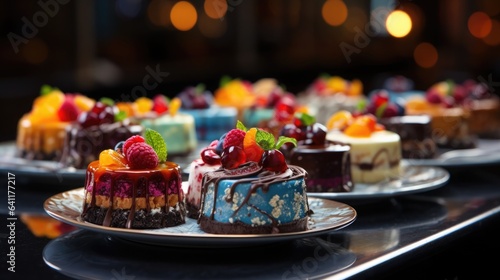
[(102, 127), (41, 133), (375, 152), (327, 164), (329, 94), (415, 131), (134, 186), (449, 119), (208, 161), (255, 191), (211, 121), (162, 115)]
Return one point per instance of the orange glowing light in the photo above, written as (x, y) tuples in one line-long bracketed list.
[(36, 51), (479, 24), (183, 16), (398, 24), (334, 12), (215, 9), (425, 55)]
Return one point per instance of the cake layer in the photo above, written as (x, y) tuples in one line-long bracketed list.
[(328, 167), (195, 183), (373, 158), (265, 202), (178, 131), (119, 190), (41, 141), (141, 219), (83, 145)]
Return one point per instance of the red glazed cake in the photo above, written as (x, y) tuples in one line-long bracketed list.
[(133, 186)]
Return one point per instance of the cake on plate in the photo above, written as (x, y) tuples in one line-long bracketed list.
[(134, 186), (255, 194), (41, 133), (162, 115), (327, 163), (100, 128), (375, 152)]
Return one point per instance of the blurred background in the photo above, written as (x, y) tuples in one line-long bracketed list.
[(124, 49)]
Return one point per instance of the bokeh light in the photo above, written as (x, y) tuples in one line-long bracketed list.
[(479, 24), (425, 55), (334, 12), (493, 39), (183, 16), (159, 11), (215, 9), (398, 24), (211, 28)]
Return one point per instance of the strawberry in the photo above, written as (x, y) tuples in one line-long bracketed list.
[(234, 138), (160, 104), (68, 111)]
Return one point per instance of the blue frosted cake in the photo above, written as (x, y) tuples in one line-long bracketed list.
[(249, 200)]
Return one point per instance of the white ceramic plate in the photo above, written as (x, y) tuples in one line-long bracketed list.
[(328, 215), (414, 179)]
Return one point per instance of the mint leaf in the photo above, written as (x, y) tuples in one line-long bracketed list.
[(305, 119), (379, 113), (199, 89), (361, 106), (240, 125), (224, 81), (265, 139), (155, 140), (282, 140), (107, 101), (46, 89), (120, 116)]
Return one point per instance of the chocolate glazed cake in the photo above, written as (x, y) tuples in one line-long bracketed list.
[(248, 200), (415, 133), (125, 198), (83, 144), (328, 166)]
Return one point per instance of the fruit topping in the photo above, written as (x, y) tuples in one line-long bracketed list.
[(111, 157), (381, 106), (103, 112), (209, 156), (305, 130), (130, 141), (141, 156), (252, 149), (234, 92), (234, 138), (355, 125), (232, 157), (196, 97), (274, 160), (160, 104)]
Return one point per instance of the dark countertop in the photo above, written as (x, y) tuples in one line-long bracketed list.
[(444, 230)]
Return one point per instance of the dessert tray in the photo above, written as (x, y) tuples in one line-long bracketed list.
[(328, 215), (414, 179)]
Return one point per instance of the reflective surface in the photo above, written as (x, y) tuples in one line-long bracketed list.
[(389, 236)]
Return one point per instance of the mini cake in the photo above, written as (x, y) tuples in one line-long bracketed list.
[(211, 121), (41, 133), (415, 131), (133, 186), (329, 94), (254, 194), (327, 164), (375, 152), (160, 114), (208, 161), (100, 128)]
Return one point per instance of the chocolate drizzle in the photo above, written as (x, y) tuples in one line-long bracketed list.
[(140, 181), (262, 180)]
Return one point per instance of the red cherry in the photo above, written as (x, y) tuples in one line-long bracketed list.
[(209, 156), (274, 160), (232, 157)]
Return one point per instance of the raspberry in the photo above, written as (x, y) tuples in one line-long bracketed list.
[(234, 138), (132, 140), (141, 156)]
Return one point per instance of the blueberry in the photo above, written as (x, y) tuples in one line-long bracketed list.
[(119, 146), (219, 148)]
